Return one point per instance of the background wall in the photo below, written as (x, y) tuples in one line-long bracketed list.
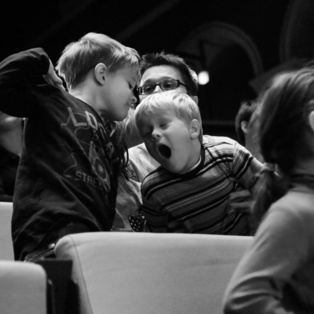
[(241, 43)]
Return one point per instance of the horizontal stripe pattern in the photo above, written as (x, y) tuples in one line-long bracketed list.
[(199, 203)]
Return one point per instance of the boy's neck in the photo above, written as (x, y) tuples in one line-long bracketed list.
[(86, 93), (81, 95), (198, 160)]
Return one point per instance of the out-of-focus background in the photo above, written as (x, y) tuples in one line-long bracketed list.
[(240, 43)]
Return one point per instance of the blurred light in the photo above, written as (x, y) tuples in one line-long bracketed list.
[(203, 77)]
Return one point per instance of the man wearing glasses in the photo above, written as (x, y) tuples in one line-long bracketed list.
[(162, 72)]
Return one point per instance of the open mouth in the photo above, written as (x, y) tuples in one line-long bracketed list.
[(164, 151)]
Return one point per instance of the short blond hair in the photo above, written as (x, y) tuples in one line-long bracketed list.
[(79, 57), (181, 104)]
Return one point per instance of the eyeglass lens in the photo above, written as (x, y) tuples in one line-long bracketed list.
[(164, 85)]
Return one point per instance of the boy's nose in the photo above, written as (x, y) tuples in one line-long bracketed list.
[(155, 136), (134, 100)]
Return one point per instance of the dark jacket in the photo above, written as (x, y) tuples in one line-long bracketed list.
[(68, 167)]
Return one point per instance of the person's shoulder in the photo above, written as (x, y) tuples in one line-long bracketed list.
[(138, 149), (157, 177), (139, 153), (227, 145), (296, 207), (298, 200), (142, 162), (288, 220), (217, 140), (220, 144)]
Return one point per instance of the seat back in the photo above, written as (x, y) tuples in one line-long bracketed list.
[(151, 273), (6, 245), (23, 288)]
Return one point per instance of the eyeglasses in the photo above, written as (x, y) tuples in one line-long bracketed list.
[(165, 85)]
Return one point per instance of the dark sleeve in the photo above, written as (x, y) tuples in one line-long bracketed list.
[(18, 74)]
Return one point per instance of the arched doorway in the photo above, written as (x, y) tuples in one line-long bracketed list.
[(232, 60), (297, 31)]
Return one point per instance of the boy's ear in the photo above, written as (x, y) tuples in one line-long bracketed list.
[(244, 126), (100, 73), (311, 120), (195, 129)]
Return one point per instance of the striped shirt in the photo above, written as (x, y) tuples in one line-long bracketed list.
[(198, 201)]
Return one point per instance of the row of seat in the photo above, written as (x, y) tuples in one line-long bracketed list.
[(118, 272), (6, 248), (23, 286)]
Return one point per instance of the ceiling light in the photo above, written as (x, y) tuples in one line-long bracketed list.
[(203, 77)]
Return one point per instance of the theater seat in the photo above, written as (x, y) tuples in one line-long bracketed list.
[(6, 245), (151, 273), (23, 288)]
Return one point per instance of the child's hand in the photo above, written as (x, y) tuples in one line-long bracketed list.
[(241, 201), (52, 78)]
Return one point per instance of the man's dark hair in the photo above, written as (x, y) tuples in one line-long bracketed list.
[(157, 59)]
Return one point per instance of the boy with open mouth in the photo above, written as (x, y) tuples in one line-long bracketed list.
[(190, 191)]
